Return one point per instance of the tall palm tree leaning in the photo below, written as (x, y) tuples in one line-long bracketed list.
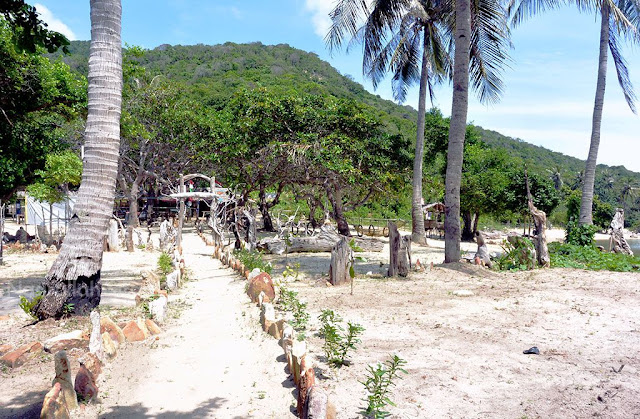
[(418, 31), (618, 17), (73, 282)]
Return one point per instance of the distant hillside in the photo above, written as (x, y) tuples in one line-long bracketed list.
[(211, 74)]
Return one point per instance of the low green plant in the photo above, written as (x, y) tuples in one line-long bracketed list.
[(378, 382), (518, 256), (292, 271), (252, 260), (590, 258), (338, 342), (67, 309), (289, 301), (165, 264), (580, 235), (27, 305)]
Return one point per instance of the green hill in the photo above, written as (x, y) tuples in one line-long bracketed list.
[(211, 74)]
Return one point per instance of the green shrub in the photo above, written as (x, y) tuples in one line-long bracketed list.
[(338, 342), (165, 264), (252, 260), (289, 301), (27, 305), (380, 378), (590, 258), (517, 257), (580, 235)]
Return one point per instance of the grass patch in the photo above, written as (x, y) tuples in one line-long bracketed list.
[(590, 258)]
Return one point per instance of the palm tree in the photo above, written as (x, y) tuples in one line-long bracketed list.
[(419, 30), (618, 17), (73, 282)]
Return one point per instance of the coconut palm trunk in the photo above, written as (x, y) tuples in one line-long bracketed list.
[(586, 203), (457, 129), (418, 234), (74, 277)]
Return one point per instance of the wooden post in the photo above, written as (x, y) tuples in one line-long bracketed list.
[(399, 252), (180, 215), (1, 231), (339, 270)]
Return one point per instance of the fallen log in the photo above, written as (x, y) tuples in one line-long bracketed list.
[(323, 242)]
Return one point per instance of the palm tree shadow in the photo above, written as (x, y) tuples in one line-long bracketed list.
[(206, 409), (24, 406)]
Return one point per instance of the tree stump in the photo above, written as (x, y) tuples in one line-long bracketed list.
[(618, 244), (341, 262), (113, 240), (399, 252), (252, 232), (167, 237)]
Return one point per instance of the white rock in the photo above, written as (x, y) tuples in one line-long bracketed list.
[(173, 280), (255, 272), (463, 293), (74, 334), (158, 309), (95, 341)]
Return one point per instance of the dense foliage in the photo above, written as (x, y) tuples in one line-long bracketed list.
[(38, 98), (590, 258)]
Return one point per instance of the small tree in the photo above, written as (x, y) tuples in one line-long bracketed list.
[(61, 170)]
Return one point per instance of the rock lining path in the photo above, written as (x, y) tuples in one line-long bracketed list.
[(213, 362)]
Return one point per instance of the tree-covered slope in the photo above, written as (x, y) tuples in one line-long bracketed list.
[(212, 74)]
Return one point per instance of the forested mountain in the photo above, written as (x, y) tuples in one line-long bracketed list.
[(212, 75)]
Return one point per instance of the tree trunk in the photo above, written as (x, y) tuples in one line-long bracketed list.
[(335, 197), (267, 223), (457, 129), (113, 241), (74, 277), (467, 226), (540, 229), (586, 202), (50, 223), (180, 216), (341, 262), (418, 234), (399, 252), (251, 236)]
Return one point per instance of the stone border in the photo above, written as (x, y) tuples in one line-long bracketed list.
[(313, 401)]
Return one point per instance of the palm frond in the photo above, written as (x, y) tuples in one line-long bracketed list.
[(490, 41), (621, 68), (519, 11)]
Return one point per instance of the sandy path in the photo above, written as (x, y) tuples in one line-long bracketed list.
[(215, 362)]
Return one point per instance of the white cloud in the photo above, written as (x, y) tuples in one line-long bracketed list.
[(320, 10), (54, 23)]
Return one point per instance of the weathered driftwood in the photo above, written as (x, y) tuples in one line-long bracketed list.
[(617, 243), (540, 229), (251, 230), (399, 252), (482, 255), (167, 236), (322, 242), (341, 262)]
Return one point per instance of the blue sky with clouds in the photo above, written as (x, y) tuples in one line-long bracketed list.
[(549, 87)]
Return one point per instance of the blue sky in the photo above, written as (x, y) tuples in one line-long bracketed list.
[(549, 85)]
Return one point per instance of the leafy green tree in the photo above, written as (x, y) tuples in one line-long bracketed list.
[(61, 170), (545, 196), (30, 32), (38, 98)]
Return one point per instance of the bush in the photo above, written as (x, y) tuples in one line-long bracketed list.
[(337, 342), (590, 258), (165, 264), (27, 305), (518, 256), (289, 301), (580, 235), (378, 382), (252, 260)]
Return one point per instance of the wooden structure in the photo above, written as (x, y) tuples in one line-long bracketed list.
[(433, 214), (183, 194)]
